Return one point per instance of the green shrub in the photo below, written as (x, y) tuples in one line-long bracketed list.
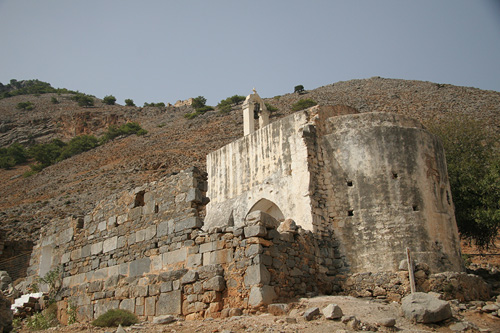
[(12, 156), (199, 102), (191, 115), (113, 318), (225, 105), (158, 105), (78, 145), (129, 102), (303, 104), (46, 154), (25, 106), (43, 320), (109, 100), (125, 129), (54, 100), (298, 89), (83, 100), (473, 160), (204, 109), (270, 107)]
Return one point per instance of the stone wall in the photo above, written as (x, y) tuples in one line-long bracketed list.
[(145, 251), (378, 181)]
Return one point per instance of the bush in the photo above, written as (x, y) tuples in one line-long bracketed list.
[(78, 145), (46, 154), (83, 100), (113, 318), (109, 100), (54, 100), (158, 105), (25, 106), (12, 156), (270, 107), (298, 89), (129, 102), (125, 129), (303, 104), (473, 159), (225, 105), (199, 102)]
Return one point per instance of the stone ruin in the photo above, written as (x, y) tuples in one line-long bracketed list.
[(323, 201)]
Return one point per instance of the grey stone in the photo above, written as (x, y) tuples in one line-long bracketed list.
[(261, 296), (194, 195), (332, 311), (424, 308), (490, 308), (128, 304), (139, 266), (387, 322), (257, 274), (278, 309), (173, 275), (189, 277), (288, 225), (216, 283), (253, 250), (311, 313), (255, 231), (260, 218), (120, 329), (189, 223), (458, 327), (166, 319), (110, 244), (210, 271), (169, 303), (162, 229)]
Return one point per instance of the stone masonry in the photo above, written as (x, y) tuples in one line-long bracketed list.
[(323, 201)]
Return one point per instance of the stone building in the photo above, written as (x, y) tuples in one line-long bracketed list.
[(295, 207)]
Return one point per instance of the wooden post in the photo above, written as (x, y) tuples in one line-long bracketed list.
[(410, 270)]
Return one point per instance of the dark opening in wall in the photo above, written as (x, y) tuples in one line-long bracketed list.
[(79, 223), (448, 197), (415, 208), (394, 175), (349, 183), (350, 212), (139, 199), (156, 209)]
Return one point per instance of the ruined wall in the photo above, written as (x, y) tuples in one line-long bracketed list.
[(145, 251), (270, 164), (387, 181), (376, 180)]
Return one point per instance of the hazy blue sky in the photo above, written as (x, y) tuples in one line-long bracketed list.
[(162, 51)]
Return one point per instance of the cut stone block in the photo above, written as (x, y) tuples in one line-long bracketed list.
[(425, 308), (110, 244), (257, 274), (261, 296), (169, 303), (139, 266)]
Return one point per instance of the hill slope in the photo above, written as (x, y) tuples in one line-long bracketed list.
[(175, 143)]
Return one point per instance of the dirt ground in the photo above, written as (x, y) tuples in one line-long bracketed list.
[(369, 312)]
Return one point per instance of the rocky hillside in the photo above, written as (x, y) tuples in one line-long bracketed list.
[(173, 142)]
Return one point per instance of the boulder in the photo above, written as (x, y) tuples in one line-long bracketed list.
[(278, 309), (332, 311), (424, 308), (311, 313), (167, 319)]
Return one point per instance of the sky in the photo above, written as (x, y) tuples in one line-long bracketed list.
[(164, 51)]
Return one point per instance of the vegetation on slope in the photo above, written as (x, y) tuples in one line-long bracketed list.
[(56, 150), (473, 158), (27, 87)]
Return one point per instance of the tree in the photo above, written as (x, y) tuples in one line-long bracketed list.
[(109, 100), (473, 159), (25, 106), (54, 100), (298, 89), (78, 145), (83, 100), (129, 102), (199, 102)]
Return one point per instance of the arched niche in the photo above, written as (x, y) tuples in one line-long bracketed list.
[(268, 207)]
